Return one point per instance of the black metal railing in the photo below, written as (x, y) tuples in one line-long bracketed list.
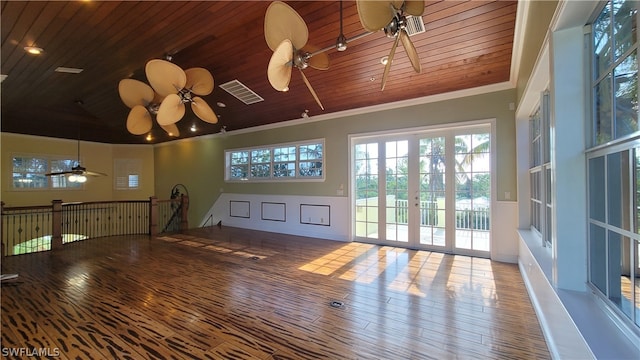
[(28, 229)]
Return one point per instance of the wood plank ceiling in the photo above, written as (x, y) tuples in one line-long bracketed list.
[(466, 44)]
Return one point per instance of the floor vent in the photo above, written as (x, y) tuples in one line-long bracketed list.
[(336, 304), (415, 25), (241, 92)]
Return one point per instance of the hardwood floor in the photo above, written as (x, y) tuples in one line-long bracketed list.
[(240, 294)]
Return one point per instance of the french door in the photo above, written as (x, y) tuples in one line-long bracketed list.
[(425, 190)]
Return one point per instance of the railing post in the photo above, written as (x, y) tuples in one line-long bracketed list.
[(184, 222), (153, 215), (56, 225)]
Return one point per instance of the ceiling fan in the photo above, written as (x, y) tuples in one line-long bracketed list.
[(391, 16), (171, 88), (78, 173), (286, 34)]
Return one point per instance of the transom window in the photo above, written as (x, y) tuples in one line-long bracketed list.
[(295, 161)]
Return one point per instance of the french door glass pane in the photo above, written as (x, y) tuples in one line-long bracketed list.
[(366, 190), (432, 191), (473, 186), (397, 190)]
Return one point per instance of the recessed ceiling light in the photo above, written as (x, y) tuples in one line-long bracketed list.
[(149, 137), (221, 104), (384, 60), (34, 50), (68, 70), (193, 128)]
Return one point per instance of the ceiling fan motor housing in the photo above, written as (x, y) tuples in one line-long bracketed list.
[(301, 59), (394, 26), (153, 108), (185, 95)]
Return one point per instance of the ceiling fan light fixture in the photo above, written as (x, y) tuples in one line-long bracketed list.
[(341, 43), (73, 178), (33, 50)]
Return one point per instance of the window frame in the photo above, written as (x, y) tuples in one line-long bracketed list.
[(274, 161)]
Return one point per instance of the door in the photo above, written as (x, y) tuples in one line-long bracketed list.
[(428, 190)]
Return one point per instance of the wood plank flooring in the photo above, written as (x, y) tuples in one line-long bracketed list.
[(227, 293)]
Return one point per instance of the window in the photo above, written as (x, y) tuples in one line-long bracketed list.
[(127, 174), (298, 161), (613, 161), (540, 170), (29, 172)]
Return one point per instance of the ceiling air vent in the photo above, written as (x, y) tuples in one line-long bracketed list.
[(415, 25), (68, 70), (241, 91)]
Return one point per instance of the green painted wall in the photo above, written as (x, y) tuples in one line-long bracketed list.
[(198, 163)]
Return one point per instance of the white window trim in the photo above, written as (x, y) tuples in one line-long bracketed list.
[(271, 147)]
